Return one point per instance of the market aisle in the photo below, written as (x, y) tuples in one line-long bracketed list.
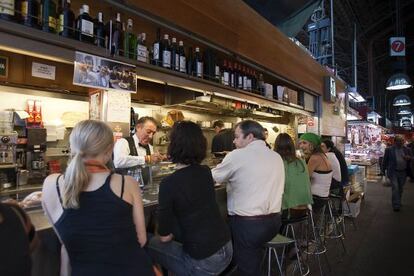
[(383, 244)]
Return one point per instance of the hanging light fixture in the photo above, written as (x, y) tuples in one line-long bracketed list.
[(401, 100), (398, 81)]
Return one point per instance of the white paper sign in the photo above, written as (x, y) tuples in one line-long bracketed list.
[(43, 71), (119, 106)]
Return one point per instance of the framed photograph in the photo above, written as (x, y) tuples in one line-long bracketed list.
[(98, 72), (4, 67)]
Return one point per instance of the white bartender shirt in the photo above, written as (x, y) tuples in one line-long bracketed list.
[(336, 167), (122, 157), (255, 177)]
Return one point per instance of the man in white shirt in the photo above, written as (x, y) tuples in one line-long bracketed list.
[(255, 179), (131, 152)]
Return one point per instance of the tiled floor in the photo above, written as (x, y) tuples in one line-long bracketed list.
[(383, 244)]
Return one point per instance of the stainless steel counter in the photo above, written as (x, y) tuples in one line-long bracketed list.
[(150, 201)]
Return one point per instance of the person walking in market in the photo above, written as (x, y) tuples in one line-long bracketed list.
[(396, 164)]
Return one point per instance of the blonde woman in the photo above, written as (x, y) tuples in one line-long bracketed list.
[(97, 215)]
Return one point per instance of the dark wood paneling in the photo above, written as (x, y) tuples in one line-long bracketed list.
[(16, 65), (235, 26), (149, 92)]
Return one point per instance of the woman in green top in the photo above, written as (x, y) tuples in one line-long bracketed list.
[(297, 194)]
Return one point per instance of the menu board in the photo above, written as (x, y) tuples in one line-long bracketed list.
[(118, 106)]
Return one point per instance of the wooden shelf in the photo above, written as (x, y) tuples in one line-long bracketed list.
[(22, 39)]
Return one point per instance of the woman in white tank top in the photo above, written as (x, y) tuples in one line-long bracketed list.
[(320, 170)]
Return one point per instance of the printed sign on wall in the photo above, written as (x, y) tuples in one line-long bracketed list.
[(98, 72), (43, 71)]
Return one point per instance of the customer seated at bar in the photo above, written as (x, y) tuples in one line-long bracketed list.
[(342, 163), (17, 240), (319, 168), (336, 167), (97, 215), (255, 180), (187, 197), (297, 194)]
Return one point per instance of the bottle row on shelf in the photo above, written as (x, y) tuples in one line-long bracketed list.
[(120, 39)]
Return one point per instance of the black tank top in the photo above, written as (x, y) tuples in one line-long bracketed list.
[(100, 236)]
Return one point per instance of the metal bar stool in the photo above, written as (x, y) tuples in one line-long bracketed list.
[(277, 242), (337, 232), (289, 231), (319, 247)]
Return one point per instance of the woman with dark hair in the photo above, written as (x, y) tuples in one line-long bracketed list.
[(297, 194), (330, 147), (187, 199)]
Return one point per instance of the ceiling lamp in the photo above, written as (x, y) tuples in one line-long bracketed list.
[(398, 81), (404, 111), (401, 100)]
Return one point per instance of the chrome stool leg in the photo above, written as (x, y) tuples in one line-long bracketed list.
[(320, 246), (337, 234), (298, 257)]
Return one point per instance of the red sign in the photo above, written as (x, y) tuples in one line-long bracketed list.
[(311, 122), (398, 46)]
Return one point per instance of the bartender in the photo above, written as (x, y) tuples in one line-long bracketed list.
[(223, 140), (132, 152)]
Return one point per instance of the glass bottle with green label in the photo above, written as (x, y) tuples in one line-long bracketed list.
[(130, 41), (66, 24), (29, 10), (47, 16)]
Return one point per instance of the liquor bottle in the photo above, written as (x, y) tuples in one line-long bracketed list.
[(249, 79), (255, 82), (30, 11), (225, 73), (48, 16), (182, 61), (175, 59), (240, 77), (77, 23), (166, 52), (217, 75), (85, 26), (198, 63), (99, 30), (190, 66), (260, 84), (244, 77), (130, 41), (66, 24), (231, 75), (142, 50), (156, 52), (115, 30), (7, 9)]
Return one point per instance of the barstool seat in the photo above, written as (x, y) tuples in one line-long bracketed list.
[(280, 241)]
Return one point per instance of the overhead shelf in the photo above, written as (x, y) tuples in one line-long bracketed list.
[(29, 41)]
